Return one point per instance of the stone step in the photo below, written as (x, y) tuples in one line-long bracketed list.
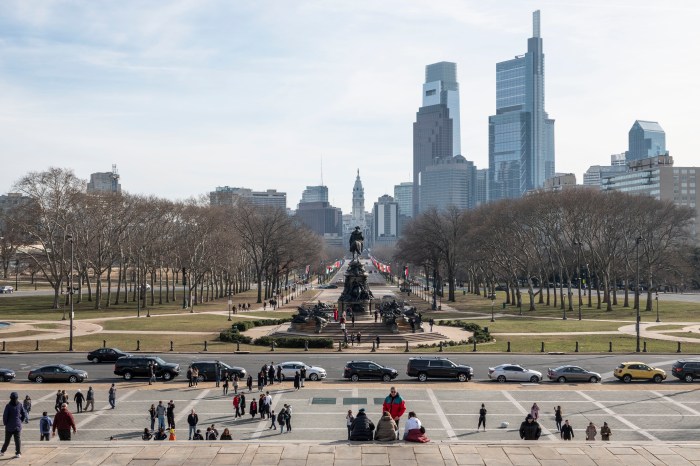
[(369, 337)]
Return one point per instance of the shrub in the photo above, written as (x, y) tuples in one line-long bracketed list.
[(294, 342), (234, 337), (480, 333)]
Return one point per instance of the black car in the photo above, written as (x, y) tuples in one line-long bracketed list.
[(106, 355), (138, 366), (356, 370), (207, 370), (687, 370), (56, 373), (438, 368), (7, 375)]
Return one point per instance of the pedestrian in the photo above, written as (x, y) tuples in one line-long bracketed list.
[(189, 376), (605, 432), (535, 411), (482, 418), (170, 414), (195, 376), (235, 383), (147, 435), (171, 437), (302, 376), (273, 425), (213, 433), (45, 424), (261, 405), (530, 429), (112, 396), (12, 419), (160, 435), (192, 421), (253, 408), (27, 406), (160, 413), (261, 381), (217, 374), (377, 340), (281, 416), (558, 417), (348, 421), (297, 378), (566, 431), (386, 429), (264, 305), (237, 406), (79, 398), (362, 427), (198, 435), (151, 373), (90, 400), (288, 417), (279, 374), (242, 404), (152, 415), (431, 322), (263, 369), (412, 423), (271, 374), (63, 422), (268, 404), (225, 388), (395, 405), (352, 318), (352, 339), (359, 339), (342, 325), (249, 383), (591, 432), (376, 315), (59, 401), (226, 435), (412, 321)]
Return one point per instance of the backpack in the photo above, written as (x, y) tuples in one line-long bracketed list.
[(44, 425), (211, 436), (280, 416)]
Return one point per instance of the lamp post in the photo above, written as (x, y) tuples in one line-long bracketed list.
[(184, 289), (70, 295), (492, 297), (229, 306), (578, 273), (636, 293), (657, 307)]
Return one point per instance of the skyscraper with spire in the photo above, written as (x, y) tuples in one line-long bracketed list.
[(358, 204), (521, 134)]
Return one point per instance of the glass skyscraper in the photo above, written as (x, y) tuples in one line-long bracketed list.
[(521, 134), (646, 139)]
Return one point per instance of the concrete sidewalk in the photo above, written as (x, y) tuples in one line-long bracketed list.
[(342, 453)]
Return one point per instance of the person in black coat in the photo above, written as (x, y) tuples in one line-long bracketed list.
[(297, 378), (530, 429), (567, 432), (362, 427)]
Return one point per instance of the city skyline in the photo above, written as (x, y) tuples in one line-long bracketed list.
[(177, 91)]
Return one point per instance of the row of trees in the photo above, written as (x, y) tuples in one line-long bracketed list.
[(565, 238), (212, 251)]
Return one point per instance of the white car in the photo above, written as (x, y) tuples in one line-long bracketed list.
[(6, 289), (290, 368), (514, 372)]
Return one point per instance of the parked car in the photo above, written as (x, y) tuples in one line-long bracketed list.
[(106, 355), (356, 370), (137, 366), (207, 370), (290, 368), (563, 374), (686, 369), (438, 368), (6, 289), (629, 371), (514, 372), (56, 373), (6, 375)]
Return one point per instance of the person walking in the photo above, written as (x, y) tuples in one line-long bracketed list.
[(591, 432), (195, 377), (302, 376), (362, 427), (268, 404), (45, 424), (192, 421), (348, 421), (395, 405), (151, 373), (281, 419), (160, 413), (79, 398), (63, 422), (273, 424), (90, 400), (59, 401), (12, 419), (262, 405), (235, 384), (530, 429), (605, 432), (261, 381), (566, 431), (170, 414), (386, 429), (431, 322), (225, 388), (27, 406), (558, 417), (482, 418), (237, 406), (152, 415), (297, 379), (242, 404), (279, 374), (535, 412), (217, 375), (112, 396), (288, 417), (271, 374), (249, 383), (253, 408), (189, 376)]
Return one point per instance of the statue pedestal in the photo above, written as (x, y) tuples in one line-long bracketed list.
[(356, 295)]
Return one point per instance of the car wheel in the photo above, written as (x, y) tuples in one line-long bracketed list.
[(386, 378), (38, 379), (534, 379), (200, 378), (561, 379), (501, 378), (422, 377), (127, 375), (627, 378), (313, 377), (658, 379), (688, 378), (72, 379), (593, 379), (168, 376), (95, 360), (354, 377), (462, 377)]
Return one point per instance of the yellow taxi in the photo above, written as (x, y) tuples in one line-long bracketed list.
[(629, 371)]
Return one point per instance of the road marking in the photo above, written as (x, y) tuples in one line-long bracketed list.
[(617, 416), (522, 410), (676, 403), (191, 405), (99, 412), (441, 414), (263, 422)]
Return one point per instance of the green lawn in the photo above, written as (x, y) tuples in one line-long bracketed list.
[(529, 325), (684, 334), (180, 323)]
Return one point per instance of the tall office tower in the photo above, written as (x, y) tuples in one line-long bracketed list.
[(521, 134), (385, 223), (481, 192), (436, 131), (315, 194), (403, 194), (358, 204), (646, 139), (450, 183), (106, 182)]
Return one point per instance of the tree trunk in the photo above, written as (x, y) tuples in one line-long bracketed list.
[(119, 284), (109, 286)]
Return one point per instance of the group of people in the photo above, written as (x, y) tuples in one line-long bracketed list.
[(530, 428)]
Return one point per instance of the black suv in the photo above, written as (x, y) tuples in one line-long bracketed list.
[(207, 370), (356, 370), (687, 370), (137, 366), (441, 368), (106, 355)]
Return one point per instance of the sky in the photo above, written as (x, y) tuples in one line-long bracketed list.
[(184, 96)]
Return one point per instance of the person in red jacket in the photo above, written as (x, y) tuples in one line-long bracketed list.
[(64, 422), (395, 405)]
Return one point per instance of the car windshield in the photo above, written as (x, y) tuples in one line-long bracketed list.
[(159, 361)]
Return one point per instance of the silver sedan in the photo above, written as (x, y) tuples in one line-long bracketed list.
[(563, 374), (290, 368)]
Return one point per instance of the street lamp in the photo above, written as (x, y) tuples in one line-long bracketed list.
[(636, 297), (578, 273), (70, 295), (657, 306), (229, 306), (16, 274)]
